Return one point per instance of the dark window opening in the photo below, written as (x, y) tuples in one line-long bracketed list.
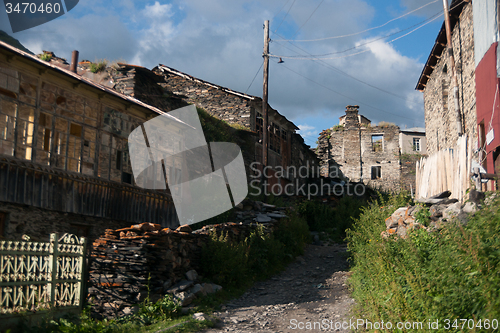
[(3, 218), (119, 157), (376, 172), (126, 178)]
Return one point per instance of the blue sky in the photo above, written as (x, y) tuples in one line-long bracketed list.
[(221, 41)]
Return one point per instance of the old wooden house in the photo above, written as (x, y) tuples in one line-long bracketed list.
[(64, 160)]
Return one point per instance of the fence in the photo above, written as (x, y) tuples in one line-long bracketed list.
[(447, 169), (41, 275), (26, 183)]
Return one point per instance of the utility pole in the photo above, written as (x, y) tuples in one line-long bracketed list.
[(452, 65), (265, 132)]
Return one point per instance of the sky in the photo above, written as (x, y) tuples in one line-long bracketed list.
[(336, 52)]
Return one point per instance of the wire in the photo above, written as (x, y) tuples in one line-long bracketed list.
[(286, 3), (324, 64), (314, 11), (343, 95), (422, 24), (258, 71), (285, 16), (360, 32)]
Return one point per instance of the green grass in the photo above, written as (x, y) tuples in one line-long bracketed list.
[(451, 274)]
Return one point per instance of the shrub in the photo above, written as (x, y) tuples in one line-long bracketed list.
[(451, 274), (238, 264), (333, 220)]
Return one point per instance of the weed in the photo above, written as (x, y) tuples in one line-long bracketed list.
[(46, 57), (96, 67)]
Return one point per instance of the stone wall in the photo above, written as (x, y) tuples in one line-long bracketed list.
[(39, 223), (440, 115), (223, 103), (408, 171)]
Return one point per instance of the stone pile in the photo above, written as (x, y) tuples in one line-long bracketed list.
[(441, 209), (130, 264)]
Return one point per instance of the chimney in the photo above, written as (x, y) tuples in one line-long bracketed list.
[(74, 61), (351, 119)]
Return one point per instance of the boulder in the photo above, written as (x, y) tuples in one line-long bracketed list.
[(470, 207), (185, 298), (476, 196), (452, 211), (192, 275)]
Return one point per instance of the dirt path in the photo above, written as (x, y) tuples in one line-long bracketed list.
[(312, 289)]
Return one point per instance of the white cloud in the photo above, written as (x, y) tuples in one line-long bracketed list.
[(308, 131), (221, 41)]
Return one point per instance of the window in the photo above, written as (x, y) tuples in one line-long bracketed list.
[(377, 143), (8, 116), (259, 123), (376, 172), (44, 139), (416, 144)]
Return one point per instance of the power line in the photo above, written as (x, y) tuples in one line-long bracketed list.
[(418, 25), (314, 11), (258, 71), (343, 95), (360, 32), (280, 10), (324, 64), (285, 15)]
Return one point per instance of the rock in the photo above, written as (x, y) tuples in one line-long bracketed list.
[(452, 211), (202, 316), (167, 284), (448, 201), (441, 195), (268, 205), (470, 207), (402, 231), (476, 196), (192, 275), (463, 218), (129, 310), (197, 290), (239, 206), (185, 298), (276, 215), (262, 218), (211, 288), (181, 286), (397, 218), (184, 228), (436, 211)]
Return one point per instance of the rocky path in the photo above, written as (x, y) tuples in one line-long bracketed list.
[(309, 296)]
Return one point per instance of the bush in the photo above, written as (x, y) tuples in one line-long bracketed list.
[(333, 220), (96, 67), (238, 264), (451, 274)]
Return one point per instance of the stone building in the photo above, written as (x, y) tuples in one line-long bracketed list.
[(364, 153), (287, 150), (64, 161), (435, 82)]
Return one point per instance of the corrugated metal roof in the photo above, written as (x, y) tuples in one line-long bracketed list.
[(86, 81)]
